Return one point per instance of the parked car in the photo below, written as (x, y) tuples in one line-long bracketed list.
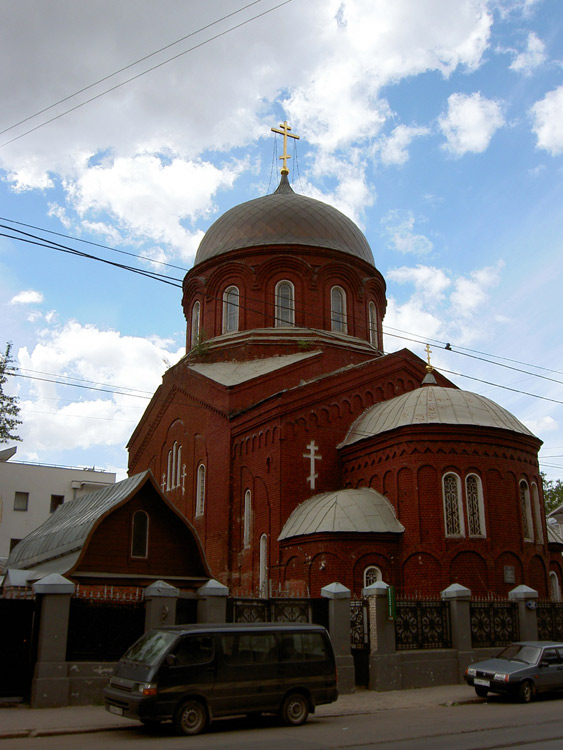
[(520, 670), (194, 673)]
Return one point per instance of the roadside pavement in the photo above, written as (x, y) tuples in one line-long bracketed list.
[(22, 721)]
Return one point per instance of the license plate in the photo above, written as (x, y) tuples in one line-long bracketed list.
[(116, 710), (483, 683)]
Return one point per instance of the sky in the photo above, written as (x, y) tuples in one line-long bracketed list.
[(436, 125)]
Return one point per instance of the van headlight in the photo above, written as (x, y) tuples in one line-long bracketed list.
[(146, 688)]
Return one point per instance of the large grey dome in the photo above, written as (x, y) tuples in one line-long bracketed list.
[(433, 405), (283, 218)]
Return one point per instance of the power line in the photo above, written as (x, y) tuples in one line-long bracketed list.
[(127, 67), (139, 75), (464, 351), (32, 239), (89, 242)]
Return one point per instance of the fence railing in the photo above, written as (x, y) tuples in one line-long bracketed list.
[(550, 621), (493, 623), (422, 624), (270, 610)]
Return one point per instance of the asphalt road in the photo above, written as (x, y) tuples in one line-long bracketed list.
[(478, 726)]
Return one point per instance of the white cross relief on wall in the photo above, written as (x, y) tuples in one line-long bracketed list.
[(183, 478), (163, 485), (312, 456)]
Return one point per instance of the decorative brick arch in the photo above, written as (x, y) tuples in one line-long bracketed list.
[(421, 572), (470, 569)]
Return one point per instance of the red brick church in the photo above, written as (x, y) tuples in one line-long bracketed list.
[(302, 454)]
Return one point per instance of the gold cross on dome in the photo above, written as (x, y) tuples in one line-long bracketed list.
[(285, 132), (429, 367)]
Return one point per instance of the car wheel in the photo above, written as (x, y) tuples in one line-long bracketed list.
[(525, 691), (481, 692), (191, 717), (295, 710)]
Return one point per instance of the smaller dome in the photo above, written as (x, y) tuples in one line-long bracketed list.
[(358, 511), (433, 404)]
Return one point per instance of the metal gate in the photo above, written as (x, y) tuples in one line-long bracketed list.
[(17, 647), (359, 639)]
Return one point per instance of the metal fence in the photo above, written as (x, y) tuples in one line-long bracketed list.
[(493, 623), (550, 621), (422, 624), (103, 629), (278, 610)]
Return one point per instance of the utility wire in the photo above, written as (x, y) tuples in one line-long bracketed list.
[(168, 280), (139, 75), (89, 242), (127, 67)]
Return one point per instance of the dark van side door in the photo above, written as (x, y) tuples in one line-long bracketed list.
[(248, 676), (189, 668)]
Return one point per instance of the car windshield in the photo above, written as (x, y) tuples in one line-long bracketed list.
[(150, 648), (520, 652)]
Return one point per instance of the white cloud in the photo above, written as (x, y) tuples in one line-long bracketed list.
[(149, 197), (541, 424), (393, 149), (342, 53), (547, 115), (27, 297), (470, 293), (399, 226), (430, 283), (57, 417), (470, 123), (443, 305), (531, 58)]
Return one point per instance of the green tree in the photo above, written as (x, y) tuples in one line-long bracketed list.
[(9, 405), (552, 493)]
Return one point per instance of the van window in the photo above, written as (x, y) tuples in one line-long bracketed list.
[(150, 648), (196, 649), (303, 647), (256, 648)]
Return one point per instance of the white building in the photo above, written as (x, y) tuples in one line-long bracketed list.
[(30, 492)]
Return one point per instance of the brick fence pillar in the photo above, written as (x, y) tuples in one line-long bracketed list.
[(527, 611), (459, 598), (160, 605), (384, 662), (339, 627), (212, 602), (50, 684)]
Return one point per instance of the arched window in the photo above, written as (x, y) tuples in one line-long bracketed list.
[(554, 586), (475, 506), (230, 309), (140, 534), (372, 574), (196, 319), (263, 574), (200, 491), (338, 320), (537, 513), (372, 315), (247, 518), (453, 510), (285, 304), (179, 466), (526, 507), (169, 471)]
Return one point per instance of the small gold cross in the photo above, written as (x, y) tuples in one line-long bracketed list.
[(429, 367), (285, 132)]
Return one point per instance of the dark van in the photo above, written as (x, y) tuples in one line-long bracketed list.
[(192, 674)]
